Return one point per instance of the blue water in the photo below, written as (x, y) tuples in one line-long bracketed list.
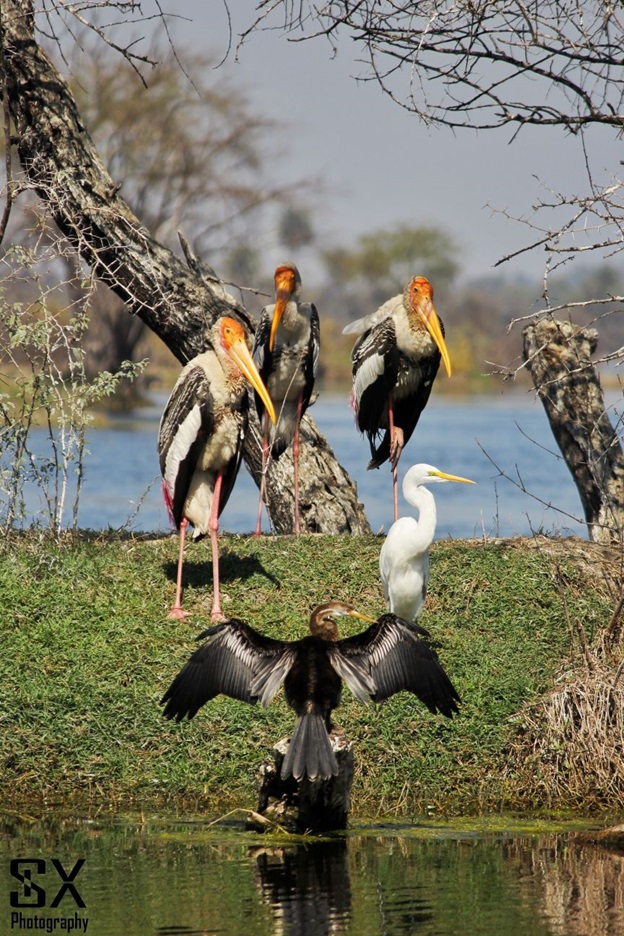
[(503, 443)]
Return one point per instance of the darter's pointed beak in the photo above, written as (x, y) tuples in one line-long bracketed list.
[(351, 612)]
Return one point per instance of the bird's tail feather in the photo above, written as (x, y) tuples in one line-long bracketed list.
[(380, 453), (279, 446), (284, 432), (310, 752)]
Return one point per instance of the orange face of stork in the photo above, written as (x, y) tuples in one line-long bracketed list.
[(234, 343), (286, 283), (420, 294)]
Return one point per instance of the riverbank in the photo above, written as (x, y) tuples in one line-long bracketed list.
[(88, 652)]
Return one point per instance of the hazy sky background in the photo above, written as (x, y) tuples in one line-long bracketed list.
[(381, 165)]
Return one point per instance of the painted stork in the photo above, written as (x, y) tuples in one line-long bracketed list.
[(395, 361), (404, 556), (238, 661), (286, 352), (200, 440)]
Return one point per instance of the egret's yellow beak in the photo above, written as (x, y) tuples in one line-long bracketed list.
[(450, 477)]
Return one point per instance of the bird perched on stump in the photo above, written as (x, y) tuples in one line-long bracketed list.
[(200, 440), (404, 556), (286, 352), (395, 361), (238, 661)]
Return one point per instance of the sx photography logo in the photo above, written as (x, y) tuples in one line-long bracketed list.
[(33, 895)]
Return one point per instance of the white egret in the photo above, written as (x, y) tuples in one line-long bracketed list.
[(404, 557)]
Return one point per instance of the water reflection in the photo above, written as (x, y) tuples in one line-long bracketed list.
[(171, 876), (580, 886), (307, 887)]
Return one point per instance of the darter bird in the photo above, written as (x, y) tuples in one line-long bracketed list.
[(236, 660)]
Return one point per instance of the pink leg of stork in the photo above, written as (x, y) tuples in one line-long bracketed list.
[(396, 447), (296, 464), (265, 458), (217, 614), (177, 612)]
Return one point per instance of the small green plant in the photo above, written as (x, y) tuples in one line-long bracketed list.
[(46, 398)]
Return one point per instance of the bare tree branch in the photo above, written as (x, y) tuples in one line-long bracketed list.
[(483, 65), (573, 48)]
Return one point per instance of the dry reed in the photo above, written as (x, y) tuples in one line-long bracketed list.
[(570, 742)]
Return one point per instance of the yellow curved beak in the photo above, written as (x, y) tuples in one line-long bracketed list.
[(282, 297), (430, 320), (241, 355)]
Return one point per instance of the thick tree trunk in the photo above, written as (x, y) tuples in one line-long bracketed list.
[(558, 356), (325, 481), (61, 163)]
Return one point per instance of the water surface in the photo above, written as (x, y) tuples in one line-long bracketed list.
[(162, 876), (503, 443)]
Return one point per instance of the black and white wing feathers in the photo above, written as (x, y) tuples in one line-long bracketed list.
[(188, 420), (260, 353), (391, 656), (312, 357), (418, 376), (375, 358), (235, 661)]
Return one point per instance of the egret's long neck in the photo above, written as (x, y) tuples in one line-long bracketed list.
[(424, 502)]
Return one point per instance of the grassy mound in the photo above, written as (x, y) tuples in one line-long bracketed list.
[(88, 652)]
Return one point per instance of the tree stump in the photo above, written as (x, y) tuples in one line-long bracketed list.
[(306, 805), (558, 356)]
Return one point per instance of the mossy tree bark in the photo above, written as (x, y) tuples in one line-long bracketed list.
[(60, 161), (558, 356)]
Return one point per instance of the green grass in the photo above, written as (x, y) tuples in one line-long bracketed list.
[(87, 652)]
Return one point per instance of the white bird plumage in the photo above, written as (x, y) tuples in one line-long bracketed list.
[(404, 557)]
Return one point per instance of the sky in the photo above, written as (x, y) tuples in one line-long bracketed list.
[(381, 165)]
